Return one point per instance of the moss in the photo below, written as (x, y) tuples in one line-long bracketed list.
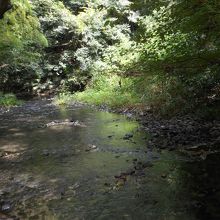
[(20, 29)]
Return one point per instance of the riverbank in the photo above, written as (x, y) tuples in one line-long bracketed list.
[(8, 100), (191, 134), (194, 135)]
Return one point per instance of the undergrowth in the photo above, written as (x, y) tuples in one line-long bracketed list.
[(113, 92), (166, 97), (7, 100)]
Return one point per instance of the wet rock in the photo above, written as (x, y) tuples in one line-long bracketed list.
[(41, 126), (128, 172), (91, 147), (171, 148), (65, 122), (180, 131), (147, 164), (215, 132), (196, 204), (118, 176), (163, 127), (155, 134), (164, 175), (138, 166), (74, 186), (129, 115), (6, 217), (116, 120), (2, 154), (6, 207), (140, 173), (216, 143), (62, 191), (120, 182), (45, 153), (128, 136), (107, 184), (77, 151), (201, 146)]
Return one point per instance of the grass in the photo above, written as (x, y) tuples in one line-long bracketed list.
[(64, 99), (104, 91), (7, 100), (108, 98), (162, 96), (114, 99)]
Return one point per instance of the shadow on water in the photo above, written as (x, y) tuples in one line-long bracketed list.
[(76, 172)]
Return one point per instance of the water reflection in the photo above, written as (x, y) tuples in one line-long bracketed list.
[(57, 177)]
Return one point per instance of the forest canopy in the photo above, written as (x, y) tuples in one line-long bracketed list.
[(163, 55)]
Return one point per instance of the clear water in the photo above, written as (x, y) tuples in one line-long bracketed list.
[(52, 173)]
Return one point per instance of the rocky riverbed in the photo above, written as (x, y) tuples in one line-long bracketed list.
[(79, 163), (183, 133), (195, 136)]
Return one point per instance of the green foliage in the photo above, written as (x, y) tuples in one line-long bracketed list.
[(7, 100), (99, 30), (176, 56), (20, 44), (162, 54), (59, 26), (64, 99), (110, 91), (56, 20)]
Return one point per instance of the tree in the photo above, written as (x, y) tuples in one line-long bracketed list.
[(21, 41)]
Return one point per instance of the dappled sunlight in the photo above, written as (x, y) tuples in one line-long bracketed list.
[(12, 147), (19, 134), (109, 109), (106, 161)]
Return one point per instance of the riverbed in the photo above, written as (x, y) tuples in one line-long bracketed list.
[(76, 163)]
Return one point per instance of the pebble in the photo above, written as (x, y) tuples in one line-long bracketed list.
[(164, 175), (6, 207), (128, 136)]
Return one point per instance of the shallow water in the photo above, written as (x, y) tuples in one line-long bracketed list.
[(67, 172)]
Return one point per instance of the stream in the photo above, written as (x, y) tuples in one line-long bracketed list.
[(77, 163)]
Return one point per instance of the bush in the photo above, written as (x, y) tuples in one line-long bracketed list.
[(7, 100)]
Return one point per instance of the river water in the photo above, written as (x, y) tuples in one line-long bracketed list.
[(77, 163)]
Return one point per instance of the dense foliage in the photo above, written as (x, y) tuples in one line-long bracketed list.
[(21, 42), (158, 54)]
